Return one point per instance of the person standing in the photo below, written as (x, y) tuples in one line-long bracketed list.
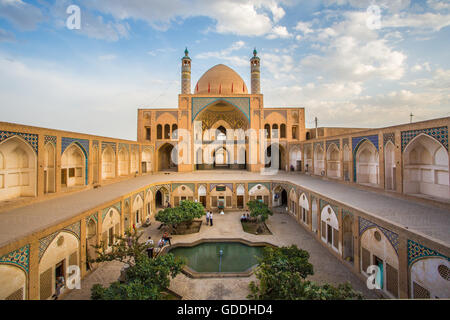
[(149, 244), (211, 219), (207, 218), (60, 282)]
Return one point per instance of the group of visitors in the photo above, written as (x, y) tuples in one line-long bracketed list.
[(245, 217), (209, 218), (161, 243)]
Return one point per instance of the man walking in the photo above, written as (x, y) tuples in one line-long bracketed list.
[(211, 219)]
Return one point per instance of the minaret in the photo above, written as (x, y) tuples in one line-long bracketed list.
[(186, 73), (256, 73)]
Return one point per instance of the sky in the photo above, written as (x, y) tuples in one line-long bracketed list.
[(353, 63)]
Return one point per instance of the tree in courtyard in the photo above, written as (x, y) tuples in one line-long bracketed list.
[(282, 275), (185, 213), (145, 278), (259, 209)]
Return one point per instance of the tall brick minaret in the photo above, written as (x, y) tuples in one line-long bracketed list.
[(256, 73), (186, 73)]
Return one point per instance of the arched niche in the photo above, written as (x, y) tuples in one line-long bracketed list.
[(61, 253), (49, 168), (110, 228), (333, 162), (295, 160), (330, 228), (108, 163), (73, 166), (376, 249), (18, 173), (138, 209), (389, 166), (13, 283), (123, 162), (430, 278), (259, 192), (425, 166), (367, 164), (304, 207), (319, 160), (182, 193), (147, 160)]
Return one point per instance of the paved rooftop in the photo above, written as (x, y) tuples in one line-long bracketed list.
[(424, 219)]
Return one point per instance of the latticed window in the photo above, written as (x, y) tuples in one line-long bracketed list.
[(228, 199), (392, 280), (214, 201), (336, 238), (266, 200), (365, 257), (252, 198), (45, 284), (17, 295), (176, 201), (420, 292)]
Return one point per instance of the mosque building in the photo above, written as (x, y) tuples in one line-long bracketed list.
[(62, 192)]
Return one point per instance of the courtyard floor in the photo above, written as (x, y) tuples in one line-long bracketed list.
[(286, 231)]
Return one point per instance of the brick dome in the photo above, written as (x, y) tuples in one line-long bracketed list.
[(220, 79)]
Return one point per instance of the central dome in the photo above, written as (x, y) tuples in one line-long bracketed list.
[(220, 79)]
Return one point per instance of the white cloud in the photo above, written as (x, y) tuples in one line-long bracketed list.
[(425, 21), (226, 54), (279, 32), (304, 27)]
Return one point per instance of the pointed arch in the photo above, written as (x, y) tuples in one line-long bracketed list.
[(426, 167), (330, 228), (13, 282), (366, 163), (333, 161), (108, 163), (18, 171), (123, 167), (319, 160), (49, 168)]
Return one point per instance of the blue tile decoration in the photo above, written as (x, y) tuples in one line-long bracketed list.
[(160, 186), (50, 139), (213, 185), (74, 229), (358, 140), (347, 213), (116, 206), (113, 145), (416, 251), (356, 143), (19, 258), (84, 145), (32, 139), (285, 186), (252, 184), (198, 104), (392, 236), (301, 191), (189, 185), (337, 142), (388, 137), (93, 216), (440, 134)]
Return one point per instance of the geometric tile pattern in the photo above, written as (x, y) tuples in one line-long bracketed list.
[(74, 228), (198, 104), (252, 184), (336, 142), (286, 187), (116, 206), (347, 213), (440, 134), (417, 251), (157, 187), (32, 139), (93, 216), (19, 257), (111, 144), (189, 185), (51, 139), (388, 137), (392, 236), (357, 140), (213, 185)]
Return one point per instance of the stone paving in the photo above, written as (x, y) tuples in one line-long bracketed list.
[(286, 231), (425, 219)]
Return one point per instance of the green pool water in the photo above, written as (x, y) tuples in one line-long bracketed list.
[(205, 257)]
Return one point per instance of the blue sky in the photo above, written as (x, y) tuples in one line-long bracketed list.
[(327, 56)]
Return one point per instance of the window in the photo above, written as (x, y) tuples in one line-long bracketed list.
[(111, 236), (148, 134), (79, 172), (71, 172), (294, 132), (159, 131), (167, 131), (174, 131), (283, 131), (267, 128), (275, 131)]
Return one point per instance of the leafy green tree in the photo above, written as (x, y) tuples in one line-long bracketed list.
[(282, 275), (186, 212), (147, 279), (259, 209)]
